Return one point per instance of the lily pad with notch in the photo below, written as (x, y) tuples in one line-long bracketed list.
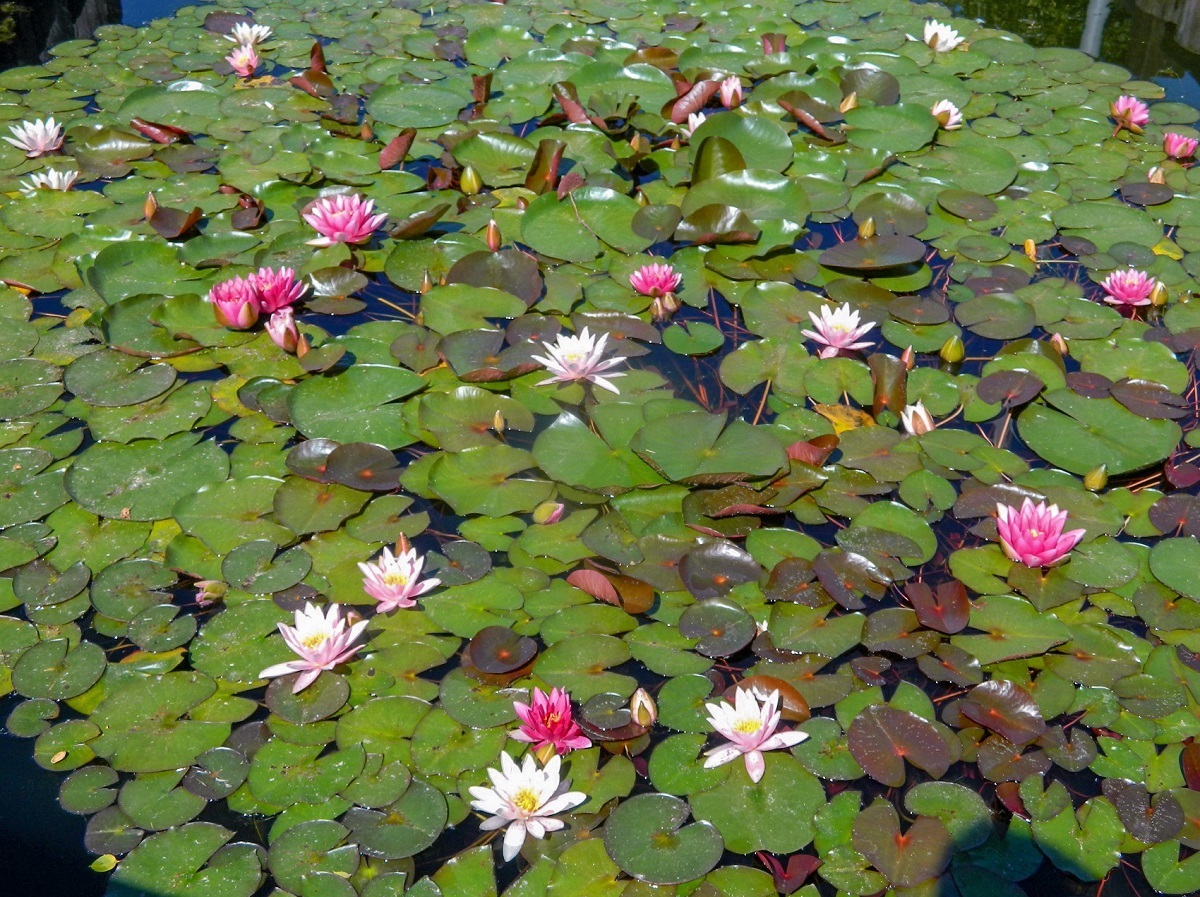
[(646, 837), (722, 627)]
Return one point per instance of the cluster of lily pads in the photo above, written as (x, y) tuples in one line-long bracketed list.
[(784, 417)]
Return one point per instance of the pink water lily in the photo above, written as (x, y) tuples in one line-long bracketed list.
[(37, 138), (750, 729), (694, 120), (580, 357), (342, 219), (1033, 535), (730, 92), (1130, 114), (394, 580), (655, 279), (525, 799), (548, 721), (321, 640), (276, 289), (235, 303), (1179, 147), (838, 330), (1128, 287), (283, 331), (948, 115), (243, 60)]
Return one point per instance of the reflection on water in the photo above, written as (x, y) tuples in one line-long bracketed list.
[(35, 26)]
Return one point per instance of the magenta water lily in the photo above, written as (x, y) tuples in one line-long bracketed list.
[(1033, 534), (548, 722)]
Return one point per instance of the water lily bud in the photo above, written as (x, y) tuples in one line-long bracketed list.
[(544, 753), (1096, 478), (1031, 250), (470, 182), (643, 709), (1158, 296), (639, 144), (498, 422), (1059, 342), (909, 357), (953, 350), (1156, 175), (493, 236), (849, 101), (281, 327), (641, 198), (866, 230), (663, 307), (149, 207), (426, 282), (209, 591), (548, 512)]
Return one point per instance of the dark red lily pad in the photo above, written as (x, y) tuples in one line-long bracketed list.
[(1150, 400), (1009, 388), (722, 627), (881, 738), (1146, 193), (362, 465), (1151, 821), (964, 204), (310, 459), (713, 569), (1006, 709), (921, 853), (498, 650), (874, 253), (946, 609)]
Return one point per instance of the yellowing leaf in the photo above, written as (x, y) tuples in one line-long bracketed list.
[(1167, 248), (843, 417)]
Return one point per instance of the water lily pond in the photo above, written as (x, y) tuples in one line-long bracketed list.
[(456, 448)]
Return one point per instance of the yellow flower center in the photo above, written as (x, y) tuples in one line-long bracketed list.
[(1034, 534), (312, 642), (747, 725), (552, 719), (526, 800), (395, 578), (573, 357)]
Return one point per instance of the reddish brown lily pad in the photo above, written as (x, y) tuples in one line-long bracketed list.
[(881, 738), (1006, 709)]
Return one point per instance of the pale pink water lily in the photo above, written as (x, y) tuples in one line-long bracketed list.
[(235, 303), (243, 60), (548, 721), (1179, 147), (838, 330), (525, 799), (579, 357), (1128, 287), (948, 115), (282, 329), (694, 120), (643, 709), (248, 34), (655, 279), (342, 219), (276, 289), (1130, 114), (1033, 535), (322, 641), (210, 591), (940, 38), (394, 580), (36, 138), (916, 419), (730, 92), (750, 729), (49, 180)]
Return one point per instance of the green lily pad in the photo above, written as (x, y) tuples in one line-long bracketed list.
[(646, 837)]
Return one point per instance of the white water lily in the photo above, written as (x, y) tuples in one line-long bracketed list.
[(837, 329), (36, 138), (579, 357), (941, 38), (49, 180), (916, 419), (750, 730), (525, 799), (246, 34)]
